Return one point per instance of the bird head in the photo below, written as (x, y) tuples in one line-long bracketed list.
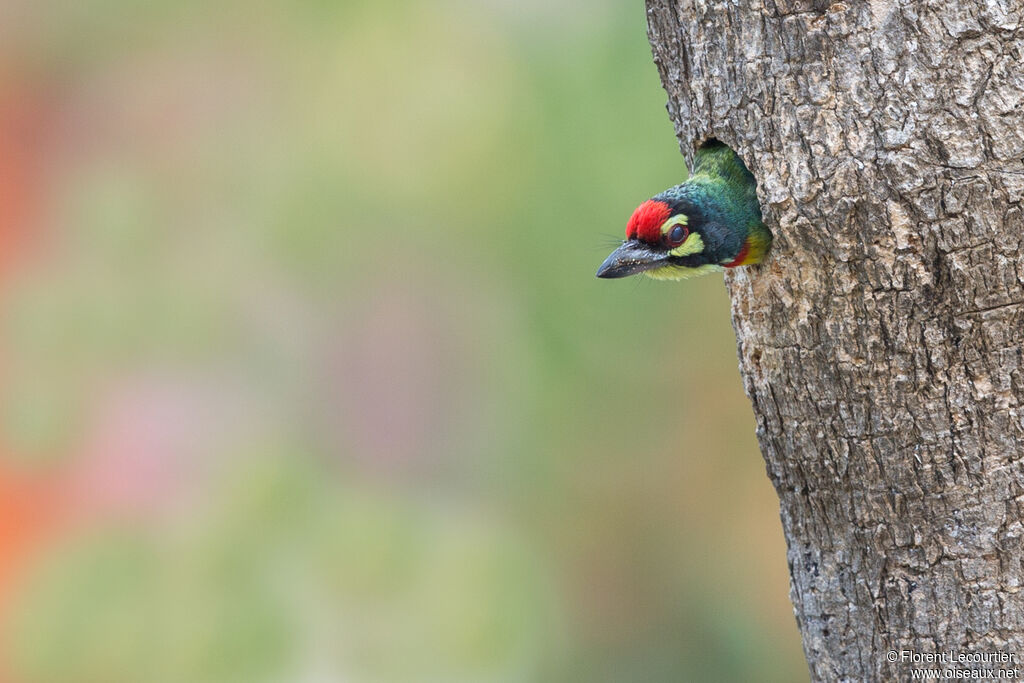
[(663, 240)]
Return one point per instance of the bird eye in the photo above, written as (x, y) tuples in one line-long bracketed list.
[(677, 235)]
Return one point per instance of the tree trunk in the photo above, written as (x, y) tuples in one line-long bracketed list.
[(881, 344)]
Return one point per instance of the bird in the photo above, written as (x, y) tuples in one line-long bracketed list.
[(710, 222)]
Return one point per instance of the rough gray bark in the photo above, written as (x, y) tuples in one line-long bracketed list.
[(881, 345)]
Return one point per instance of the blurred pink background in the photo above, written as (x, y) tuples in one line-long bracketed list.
[(306, 375)]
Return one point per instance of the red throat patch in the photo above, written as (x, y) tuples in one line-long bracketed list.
[(645, 223)]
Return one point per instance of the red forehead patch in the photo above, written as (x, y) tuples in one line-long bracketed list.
[(645, 223)]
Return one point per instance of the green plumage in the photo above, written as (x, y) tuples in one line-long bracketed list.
[(720, 196)]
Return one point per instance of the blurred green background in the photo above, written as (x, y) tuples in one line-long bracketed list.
[(306, 375)]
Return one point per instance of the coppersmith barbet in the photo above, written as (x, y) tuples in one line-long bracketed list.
[(710, 222)]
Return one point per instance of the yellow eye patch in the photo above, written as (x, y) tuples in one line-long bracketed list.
[(693, 244), (678, 219)]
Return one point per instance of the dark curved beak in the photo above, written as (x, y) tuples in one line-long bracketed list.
[(631, 258)]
